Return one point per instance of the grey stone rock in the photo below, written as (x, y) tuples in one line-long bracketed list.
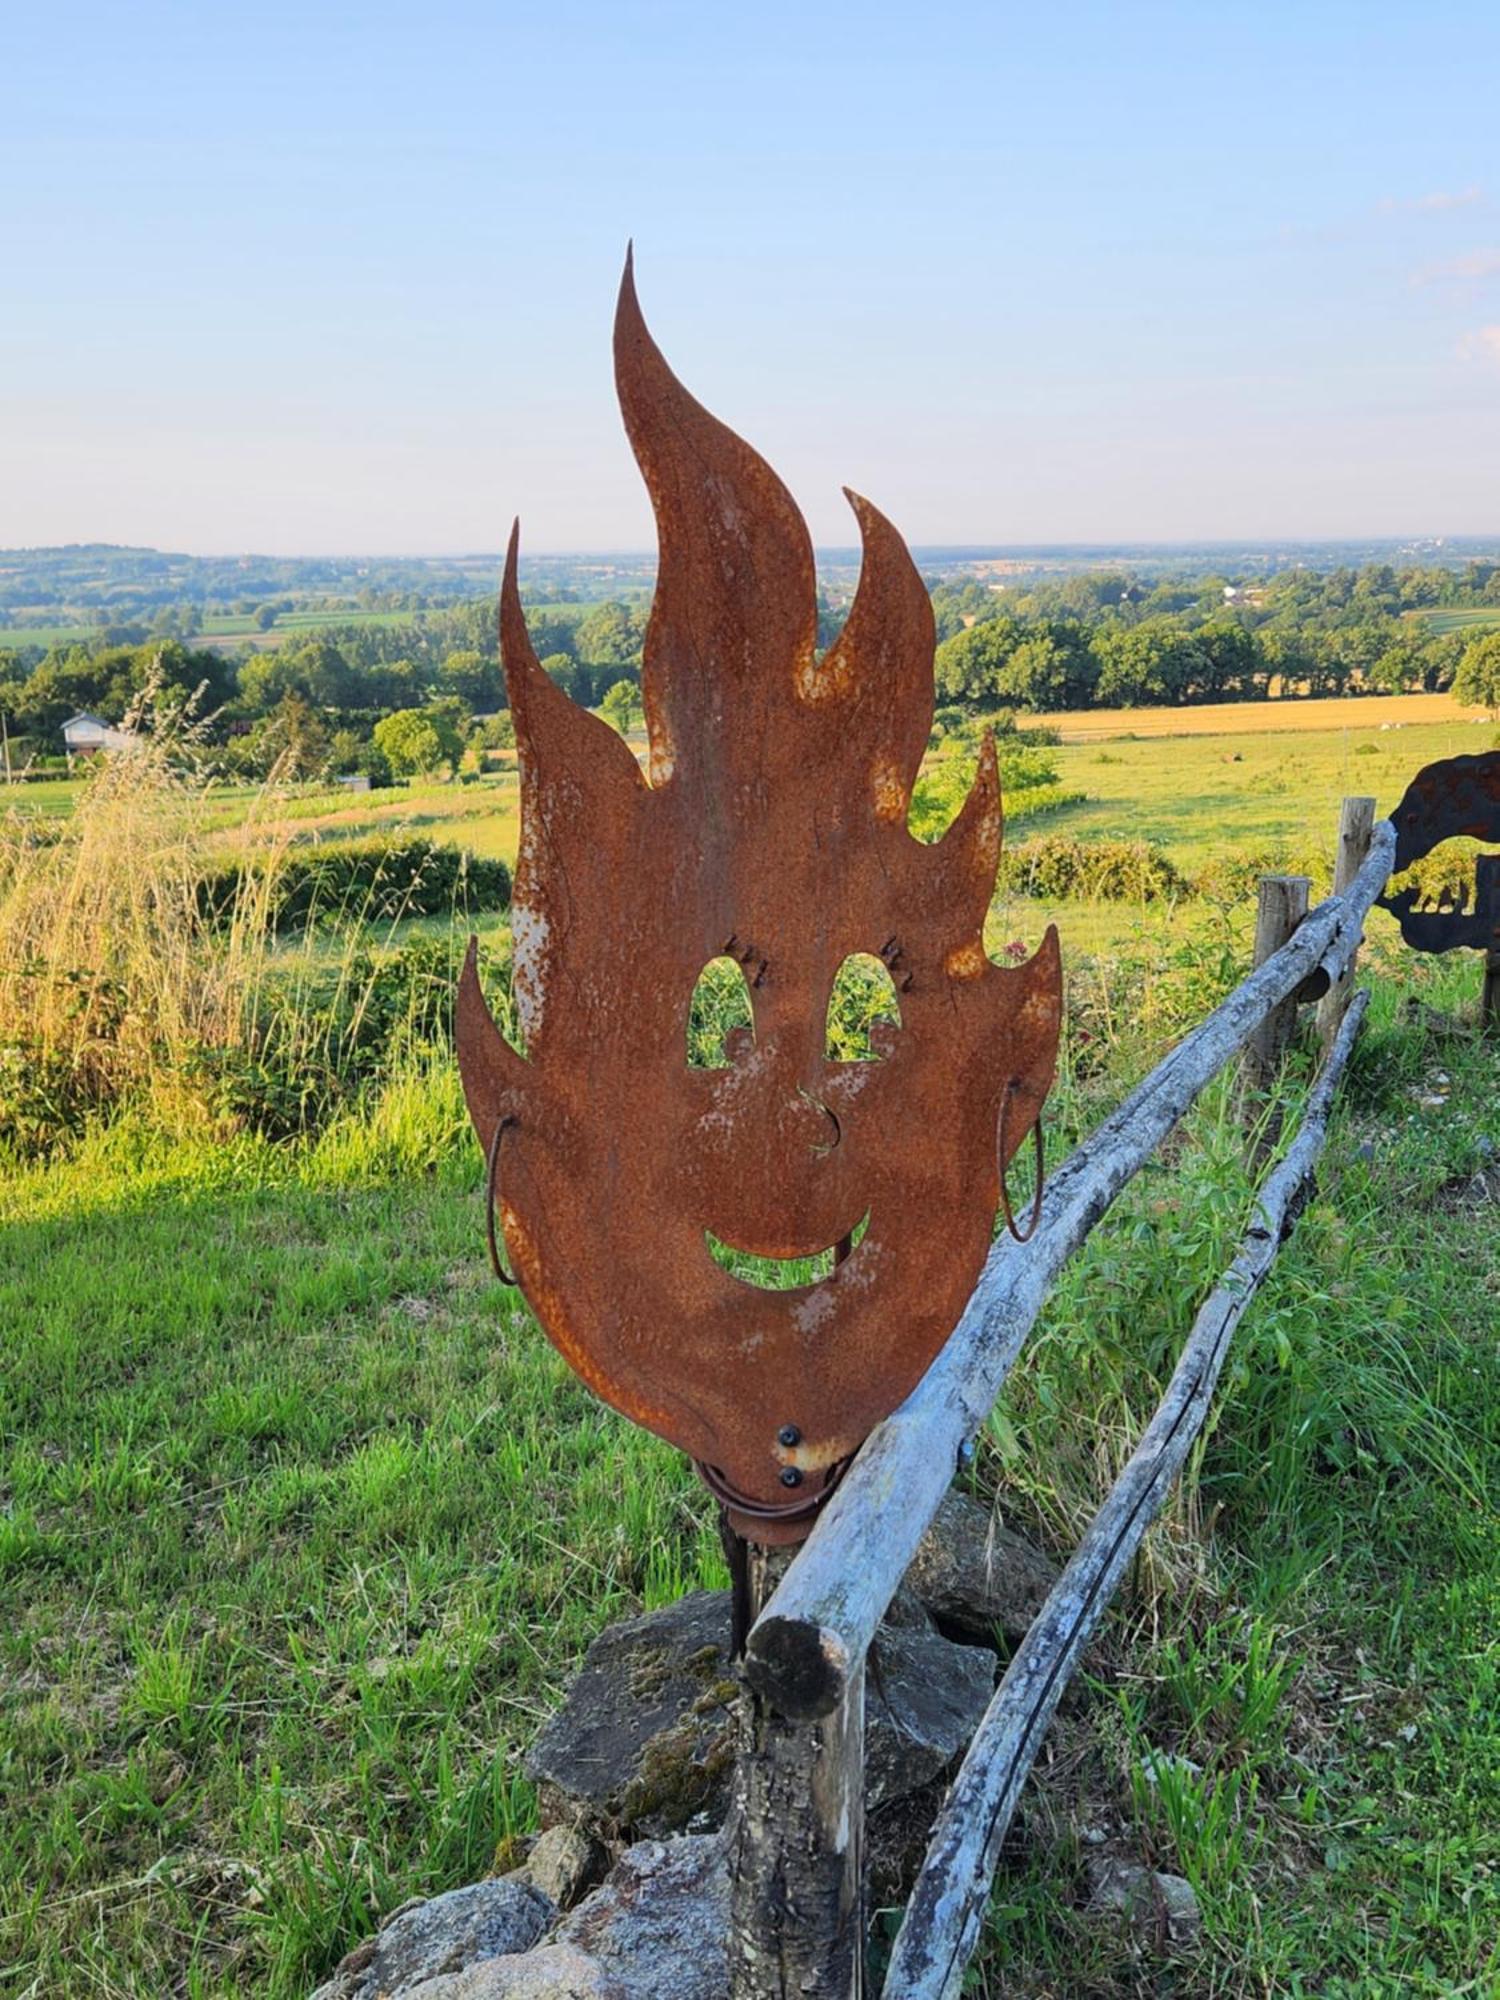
[(645, 1742), (1158, 1906), (551, 1972), (658, 1924), (974, 1575), (443, 1935), (924, 1696), (906, 1608), (562, 1863)]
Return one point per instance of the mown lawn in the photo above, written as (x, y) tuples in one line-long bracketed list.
[(304, 1527)]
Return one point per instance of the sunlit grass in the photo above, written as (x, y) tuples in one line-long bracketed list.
[(303, 1525)]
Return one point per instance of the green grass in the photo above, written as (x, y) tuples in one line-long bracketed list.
[(1203, 796), (298, 1544), (1458, 621), (221, 625), (242, 625), (47, 796), (16, 636), (1315, 1693), (305, 1526)]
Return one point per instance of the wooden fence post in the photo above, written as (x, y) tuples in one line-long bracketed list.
[(1487, 878), (796, 1845), (1281, 906), (1356, 825)]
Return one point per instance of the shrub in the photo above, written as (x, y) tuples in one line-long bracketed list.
[(1060, 866), (1039, 801), (1028, 780), (312, 1043), (381, 879), (1231, 879)]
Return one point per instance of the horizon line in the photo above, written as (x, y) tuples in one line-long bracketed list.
[(986, 549)]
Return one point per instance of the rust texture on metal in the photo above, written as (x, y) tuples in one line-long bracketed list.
[(1458, 797), (769, 825)]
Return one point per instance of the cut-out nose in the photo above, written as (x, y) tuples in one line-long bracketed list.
[(823, 1128)]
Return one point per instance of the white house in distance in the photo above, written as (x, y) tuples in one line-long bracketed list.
[(85, 735)]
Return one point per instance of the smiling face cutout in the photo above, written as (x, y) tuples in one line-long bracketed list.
[(770, 826)]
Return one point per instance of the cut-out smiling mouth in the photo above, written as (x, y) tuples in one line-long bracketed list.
[(783, 1274)]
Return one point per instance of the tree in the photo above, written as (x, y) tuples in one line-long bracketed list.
[(264, 679), (1036, 674), (319, 669), (291, 740), (415, 741), (1155, 661), (345, 748), (498, 731), (622, 706), (475, 680), (265, 617), (968, 666), (611, 636), (394, 684), (1477, 681)]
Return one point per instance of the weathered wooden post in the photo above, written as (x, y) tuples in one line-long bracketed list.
[(1356, 825), (796, 1834), (812, 1638), (1282, 904)]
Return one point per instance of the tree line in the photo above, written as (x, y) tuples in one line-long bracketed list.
[(386, 700), (1109, 641), (394, 698)]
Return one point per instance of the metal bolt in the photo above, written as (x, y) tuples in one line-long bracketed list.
[(789, 1435), (791, 1476)]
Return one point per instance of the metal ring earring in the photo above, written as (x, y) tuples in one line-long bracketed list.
[(491, 1188), (1021, 1236)]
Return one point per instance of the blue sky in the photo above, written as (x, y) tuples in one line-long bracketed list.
[(311, 278)]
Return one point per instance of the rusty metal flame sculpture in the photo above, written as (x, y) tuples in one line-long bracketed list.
[(770, 825)]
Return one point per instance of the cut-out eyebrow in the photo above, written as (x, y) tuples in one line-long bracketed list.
[(720, 1003), (863, 997)]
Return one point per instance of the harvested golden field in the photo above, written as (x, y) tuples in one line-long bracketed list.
[(1258, 718)]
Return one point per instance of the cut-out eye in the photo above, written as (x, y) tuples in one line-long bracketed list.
[(720, 1026), (864, 1015)]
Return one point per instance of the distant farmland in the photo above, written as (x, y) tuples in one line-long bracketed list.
[(1458, 621), (238, 628)]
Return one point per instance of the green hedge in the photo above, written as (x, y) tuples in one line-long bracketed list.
[(370, 878), (1059, 866)]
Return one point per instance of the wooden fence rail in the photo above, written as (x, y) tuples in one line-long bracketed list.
[(942, 1919), (806, 1652)]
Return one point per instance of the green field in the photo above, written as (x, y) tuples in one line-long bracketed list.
[(235, 625), (48, 796), (303, 1526), (43, 635), (242, 628), (1261, 793), (1457, 621)]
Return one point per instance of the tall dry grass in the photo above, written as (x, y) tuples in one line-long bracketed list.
[(121, 979), (111, 971)]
